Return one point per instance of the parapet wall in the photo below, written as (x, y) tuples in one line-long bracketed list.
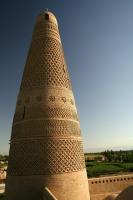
[(101, 188)]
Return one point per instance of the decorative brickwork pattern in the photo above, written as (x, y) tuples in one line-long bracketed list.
[(45, 65), (50, 113), (49, 30), (42, 128), (46, 157), (67, 101)]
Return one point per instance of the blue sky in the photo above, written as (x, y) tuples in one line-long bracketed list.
[(97, 37)]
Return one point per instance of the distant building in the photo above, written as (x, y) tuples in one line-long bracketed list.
[(94, 157)]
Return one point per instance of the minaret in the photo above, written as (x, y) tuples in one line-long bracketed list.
[(46, 157)]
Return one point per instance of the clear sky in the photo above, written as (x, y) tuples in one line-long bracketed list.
[(97, 37)]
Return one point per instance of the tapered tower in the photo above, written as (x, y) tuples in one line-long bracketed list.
[(46, 154)]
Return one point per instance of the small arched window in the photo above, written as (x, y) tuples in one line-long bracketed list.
[(23, 113), (47, 16)]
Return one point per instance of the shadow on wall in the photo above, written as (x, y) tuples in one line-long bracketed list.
[(111, 197), (126, 194)]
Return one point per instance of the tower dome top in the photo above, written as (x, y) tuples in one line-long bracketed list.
[(49, 16)]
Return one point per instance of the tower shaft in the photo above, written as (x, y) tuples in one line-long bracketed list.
[(46, 146)]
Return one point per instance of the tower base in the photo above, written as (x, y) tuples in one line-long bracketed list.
[(69, 186)]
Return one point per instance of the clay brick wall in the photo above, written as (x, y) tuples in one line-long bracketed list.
[(100, 188)]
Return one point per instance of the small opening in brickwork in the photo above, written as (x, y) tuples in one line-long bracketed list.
[(46, 16), (24, 113), (19, 102), (64, 69), (27, 100), (39, 98)]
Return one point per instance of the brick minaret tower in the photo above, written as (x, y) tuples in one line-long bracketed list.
[(46, 159)]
